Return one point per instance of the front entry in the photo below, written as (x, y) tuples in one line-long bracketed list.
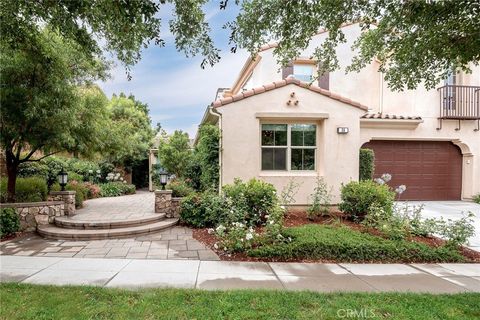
[(431, 170)]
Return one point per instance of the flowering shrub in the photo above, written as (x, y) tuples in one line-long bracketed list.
[(407, 221), (235, 237), (179, 188), (93, 190), (358, 197), (115, 189), (256, 198)]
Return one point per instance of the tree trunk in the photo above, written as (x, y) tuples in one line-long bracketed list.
[(12, 170)]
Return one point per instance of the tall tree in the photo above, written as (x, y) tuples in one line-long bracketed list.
[(124, 26), (40, 98), (414, 41), (175, 153), (130, 132)]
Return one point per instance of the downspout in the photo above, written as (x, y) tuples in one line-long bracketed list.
[(381, 93), (217, 114)]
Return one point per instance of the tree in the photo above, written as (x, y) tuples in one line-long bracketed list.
[(41, 109), (124, 26), (175, 153), (207, 154), (414, 41), (130, 133)]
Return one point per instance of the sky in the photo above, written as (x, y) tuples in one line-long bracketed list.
[(175, 87)]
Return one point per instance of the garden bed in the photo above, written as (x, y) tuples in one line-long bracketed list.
[(349, 237)]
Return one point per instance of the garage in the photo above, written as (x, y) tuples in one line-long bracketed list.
[(431, 170)]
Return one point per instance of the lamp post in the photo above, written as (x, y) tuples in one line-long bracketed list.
[(62, 179), (163, 177)]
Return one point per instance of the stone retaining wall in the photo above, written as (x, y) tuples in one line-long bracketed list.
[(33, 214), (165, 203)]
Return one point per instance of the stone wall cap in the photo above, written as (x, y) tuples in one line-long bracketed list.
[(66, 192), (177, 198), (163, 191), (30, 204)]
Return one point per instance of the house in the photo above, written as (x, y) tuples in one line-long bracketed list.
[(276, 127)]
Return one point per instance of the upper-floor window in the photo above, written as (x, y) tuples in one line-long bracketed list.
[(303, 72), (295, 142)]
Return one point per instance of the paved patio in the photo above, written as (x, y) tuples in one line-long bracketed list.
[(172, 243), (453, 210), (213, 275)]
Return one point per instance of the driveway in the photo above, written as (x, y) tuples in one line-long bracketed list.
[(453, 210)]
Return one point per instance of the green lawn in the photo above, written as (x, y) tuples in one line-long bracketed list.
[(342, 244), (48, 302)]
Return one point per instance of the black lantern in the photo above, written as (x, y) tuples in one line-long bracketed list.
[(62, 179), (163, 178)]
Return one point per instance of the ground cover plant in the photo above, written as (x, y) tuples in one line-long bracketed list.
[(25, 302), (342, 244)]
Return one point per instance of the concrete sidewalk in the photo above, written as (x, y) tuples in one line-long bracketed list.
[(130, 273)]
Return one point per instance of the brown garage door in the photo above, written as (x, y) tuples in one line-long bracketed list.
[(431, 170)]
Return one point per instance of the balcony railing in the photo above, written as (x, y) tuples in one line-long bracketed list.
[(459, 102)]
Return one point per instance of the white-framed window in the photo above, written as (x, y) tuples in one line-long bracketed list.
[(303, 72), (288, 147)]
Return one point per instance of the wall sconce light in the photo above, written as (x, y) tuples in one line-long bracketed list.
[(292, 94), (342, 130), (289, 102)]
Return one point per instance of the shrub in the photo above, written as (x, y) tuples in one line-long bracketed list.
[(115, 189), (86, 169), (321, 198), (204, 209), (236, 237), (32, 169), (32, 189), (367, 164), (193, 173), (358, 197), (457, 232), (346, 245), (93, 190), (179, 188), (73, 176), (55, 165), (476, 198), (255, 197), (9, 222)]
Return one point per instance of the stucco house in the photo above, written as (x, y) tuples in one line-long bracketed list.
[(275, 126)]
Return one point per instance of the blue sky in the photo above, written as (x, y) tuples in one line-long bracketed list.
[(176, 89)]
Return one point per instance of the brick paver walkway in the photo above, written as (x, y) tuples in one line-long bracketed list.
[(172, 243)]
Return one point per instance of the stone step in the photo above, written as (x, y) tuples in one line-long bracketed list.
[(69, 223), (54, 232)]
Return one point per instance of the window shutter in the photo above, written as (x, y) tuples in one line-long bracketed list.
[(324, 81), (287, 70)]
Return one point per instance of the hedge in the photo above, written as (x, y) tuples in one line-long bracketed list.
[(367, 164)]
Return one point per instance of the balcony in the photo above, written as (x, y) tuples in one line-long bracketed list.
[(459, 103)]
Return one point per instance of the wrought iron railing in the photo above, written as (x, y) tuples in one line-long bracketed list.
[(459, 102)]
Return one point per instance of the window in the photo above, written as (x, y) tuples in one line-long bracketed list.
[(303, 72), (296, 142)]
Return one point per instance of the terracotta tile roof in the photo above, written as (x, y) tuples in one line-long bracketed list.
[(389, 116), (282, 83)]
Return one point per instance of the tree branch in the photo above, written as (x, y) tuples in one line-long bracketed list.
[(36, 160)]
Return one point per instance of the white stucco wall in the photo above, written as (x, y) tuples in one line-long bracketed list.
[(337, 155)]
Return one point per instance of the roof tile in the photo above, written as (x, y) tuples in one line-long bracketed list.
[(386, 116), (282, 83)]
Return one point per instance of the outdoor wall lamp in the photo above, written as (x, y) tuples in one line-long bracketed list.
[(342, 130), (163, 178), (62, 179)]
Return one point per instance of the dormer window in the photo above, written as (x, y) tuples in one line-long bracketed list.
[(303, 72)]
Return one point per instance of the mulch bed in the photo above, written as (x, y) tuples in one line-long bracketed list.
[(295, 219)]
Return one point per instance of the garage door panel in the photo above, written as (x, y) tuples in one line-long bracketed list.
[(431, 170)]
